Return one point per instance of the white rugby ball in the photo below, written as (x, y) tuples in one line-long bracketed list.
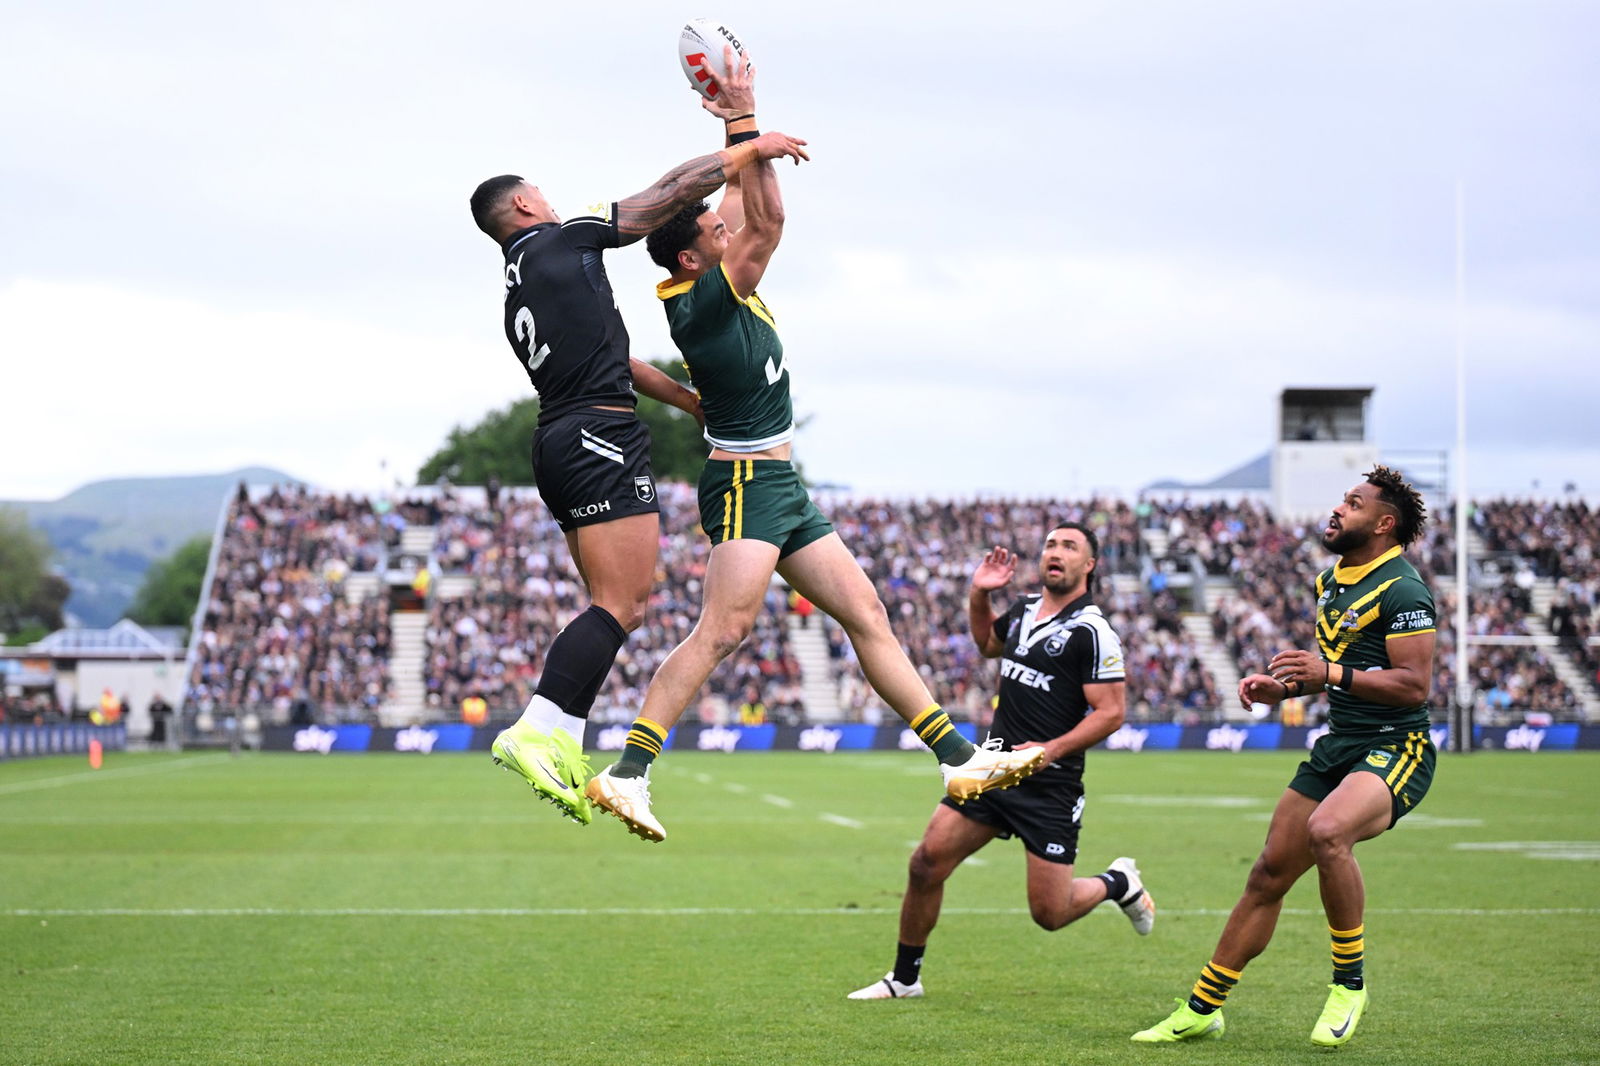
[(700, 54)]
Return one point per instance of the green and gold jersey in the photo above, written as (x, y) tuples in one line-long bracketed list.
[(1359, 610), (735, 360)]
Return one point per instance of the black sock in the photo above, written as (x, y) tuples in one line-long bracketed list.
[(579, 659), (908, 964), (1116, 884)]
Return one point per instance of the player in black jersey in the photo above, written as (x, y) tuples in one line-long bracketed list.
[(1375, 642), (590, 453), (1061, 688)]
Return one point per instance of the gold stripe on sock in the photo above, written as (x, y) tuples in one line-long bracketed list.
[(916, 723)]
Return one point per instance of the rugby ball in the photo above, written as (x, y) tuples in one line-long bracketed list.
[(700, 54)]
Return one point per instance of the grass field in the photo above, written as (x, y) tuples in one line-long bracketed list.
[(399, 909)]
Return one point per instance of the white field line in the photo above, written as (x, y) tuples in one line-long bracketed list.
[(698, 912), (105, 775), (777, 801), (839, 819)]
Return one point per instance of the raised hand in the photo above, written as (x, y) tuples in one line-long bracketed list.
[(736, 94), (996, 570), (777, 145)]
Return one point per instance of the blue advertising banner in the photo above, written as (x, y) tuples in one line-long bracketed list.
[(26, 740), (851, 736)]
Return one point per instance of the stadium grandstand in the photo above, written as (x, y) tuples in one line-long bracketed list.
[(324, 608)]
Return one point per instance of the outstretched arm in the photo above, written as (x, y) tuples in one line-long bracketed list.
[(644, 212), (752, 206)]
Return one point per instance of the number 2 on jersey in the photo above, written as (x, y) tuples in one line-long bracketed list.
[(525, 333)]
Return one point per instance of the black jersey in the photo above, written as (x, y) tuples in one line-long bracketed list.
[(561, 317), (1043, 669)]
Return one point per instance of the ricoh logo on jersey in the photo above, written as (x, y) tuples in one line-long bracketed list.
[(590, 509), (1025, 675)]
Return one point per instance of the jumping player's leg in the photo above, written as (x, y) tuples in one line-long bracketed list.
[(737, 577), (617, 561), (949, 839), (545, 746), (825, 573)]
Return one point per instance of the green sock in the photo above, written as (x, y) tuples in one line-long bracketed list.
[(644, 743), (939, 733)]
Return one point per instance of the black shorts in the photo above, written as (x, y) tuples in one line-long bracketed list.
[(1045, 816), (593, 466)]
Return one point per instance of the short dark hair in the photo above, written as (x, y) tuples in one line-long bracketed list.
[(674, 235), (489, 201), (1089, 538), (1394, 490)]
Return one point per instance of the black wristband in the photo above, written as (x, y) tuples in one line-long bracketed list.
[(740, 138), (1345, 678)]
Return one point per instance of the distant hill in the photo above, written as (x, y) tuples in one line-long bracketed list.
[(107, 533)]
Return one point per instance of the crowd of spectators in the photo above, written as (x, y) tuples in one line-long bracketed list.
[(278, 637), (278, 634), (920, 555), (1559, 541), (491, 642)]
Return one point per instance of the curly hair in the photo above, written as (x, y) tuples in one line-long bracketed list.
[(674, 235), (1394, 490)]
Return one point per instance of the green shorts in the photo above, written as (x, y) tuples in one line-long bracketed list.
[(1405, 765), (759, 499)]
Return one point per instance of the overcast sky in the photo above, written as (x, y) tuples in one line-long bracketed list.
[(1042, 248)]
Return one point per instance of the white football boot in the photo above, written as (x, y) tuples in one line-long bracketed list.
[(1137, 904), (888, 988), (990, 768), (628, 798)]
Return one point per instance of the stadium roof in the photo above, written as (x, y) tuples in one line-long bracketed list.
[(1253, 476), (125, 640)]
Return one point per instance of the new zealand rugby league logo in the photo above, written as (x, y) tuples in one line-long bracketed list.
[(644, 488), (1055, 645)]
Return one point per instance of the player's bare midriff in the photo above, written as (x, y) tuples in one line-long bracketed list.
[(780, 451)]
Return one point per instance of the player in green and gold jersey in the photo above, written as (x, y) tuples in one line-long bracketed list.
[(1374, 658), (753, 506)]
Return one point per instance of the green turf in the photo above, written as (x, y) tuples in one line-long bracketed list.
[(735, 941)]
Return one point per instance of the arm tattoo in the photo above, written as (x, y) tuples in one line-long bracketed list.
[(644, 212)]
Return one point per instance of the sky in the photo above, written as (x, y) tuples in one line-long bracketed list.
[(1041, 249)]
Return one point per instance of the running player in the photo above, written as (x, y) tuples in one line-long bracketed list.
[(753, 506), (1375, 637), (590, 452), (1061, 676)]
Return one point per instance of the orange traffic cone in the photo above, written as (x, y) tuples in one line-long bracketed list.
[(94, 755)]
